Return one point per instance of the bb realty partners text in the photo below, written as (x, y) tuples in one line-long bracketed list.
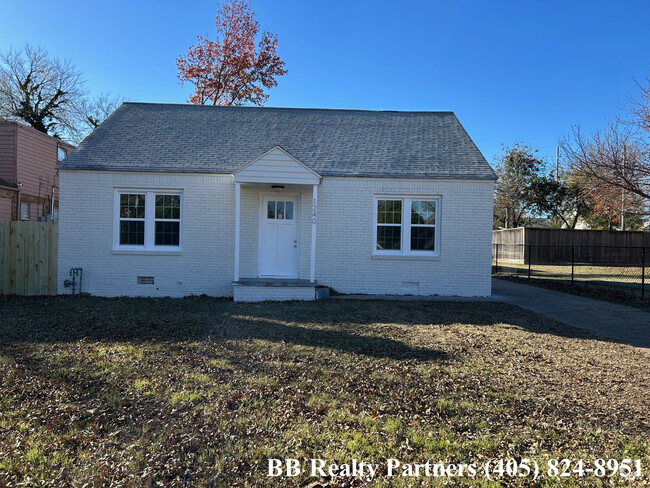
[(492, 469), (366, 470)]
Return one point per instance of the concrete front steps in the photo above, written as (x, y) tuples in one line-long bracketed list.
[(276, 289)]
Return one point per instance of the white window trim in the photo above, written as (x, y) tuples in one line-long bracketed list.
[(406, 226), (149, 221)]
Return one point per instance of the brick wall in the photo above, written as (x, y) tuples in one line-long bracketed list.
[(86, 236), (344, 258), (344, 246)]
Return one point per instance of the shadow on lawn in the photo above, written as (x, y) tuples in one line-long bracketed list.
[(347, 326), (58, 319)]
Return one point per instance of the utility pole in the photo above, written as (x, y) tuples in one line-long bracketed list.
[(557, 163)]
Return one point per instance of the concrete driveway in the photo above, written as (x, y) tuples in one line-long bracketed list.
[(623, 324)]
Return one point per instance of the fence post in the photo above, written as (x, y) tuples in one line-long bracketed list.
[(529, 249), (573, 260), (643, 272), (496, 260)]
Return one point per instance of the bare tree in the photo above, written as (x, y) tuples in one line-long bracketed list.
[(614, 157), (93, 112), (42, 91), (640, 106)]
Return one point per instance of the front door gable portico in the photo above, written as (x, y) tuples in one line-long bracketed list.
[(278, 167), (279, 245)]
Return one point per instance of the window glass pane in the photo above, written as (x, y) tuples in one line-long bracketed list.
[(289, 211), (24, 211), (131, 206), (389, 237), (423, 238), (270, 211), (280, 213), (168, 206), (132, 232), (167, 233), (423, 212), (389, 211)]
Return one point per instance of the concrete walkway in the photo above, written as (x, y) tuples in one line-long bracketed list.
[(624, 324)]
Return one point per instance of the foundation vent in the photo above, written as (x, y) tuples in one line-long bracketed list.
[(145, 280)]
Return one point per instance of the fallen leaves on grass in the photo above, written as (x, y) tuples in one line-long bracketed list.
[(201, 392)]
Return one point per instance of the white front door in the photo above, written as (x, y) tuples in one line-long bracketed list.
[(279, 237)]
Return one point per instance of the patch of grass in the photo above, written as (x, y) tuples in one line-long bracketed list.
[(180, 397), (221, 363), (613, 286), (199, 391)]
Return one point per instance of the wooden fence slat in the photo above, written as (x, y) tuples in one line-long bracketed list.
[(38, 259), (21, 263), (4, 257), (53, 253), (13, 256), (28, 258), (28, 252), (45, 257)]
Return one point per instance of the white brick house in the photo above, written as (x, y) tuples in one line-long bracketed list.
[(264, 203)]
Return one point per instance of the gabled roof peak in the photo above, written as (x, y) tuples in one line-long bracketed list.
[(283, 151)]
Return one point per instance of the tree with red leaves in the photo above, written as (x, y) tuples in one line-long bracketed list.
[(230, 70)]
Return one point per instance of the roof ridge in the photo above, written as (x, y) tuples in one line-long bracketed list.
[(324, 109)]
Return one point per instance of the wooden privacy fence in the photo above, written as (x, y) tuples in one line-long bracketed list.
[(28, 258), (578, 237), (551, 246)]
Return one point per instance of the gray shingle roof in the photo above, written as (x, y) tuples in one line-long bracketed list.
[(207, 139)]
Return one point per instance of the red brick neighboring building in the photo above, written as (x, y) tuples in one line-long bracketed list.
[(28, 160)]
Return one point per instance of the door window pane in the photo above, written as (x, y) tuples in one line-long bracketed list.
[(422, 238), (270, 210), (389, 237), (280, 212), (132, 232), (288, 211)]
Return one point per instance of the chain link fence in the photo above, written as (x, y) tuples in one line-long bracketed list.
[(618, 268)]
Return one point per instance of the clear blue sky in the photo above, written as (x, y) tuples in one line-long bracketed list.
[(512, 71)]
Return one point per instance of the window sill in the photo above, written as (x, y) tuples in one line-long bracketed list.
[(147, 252), (405, 257)]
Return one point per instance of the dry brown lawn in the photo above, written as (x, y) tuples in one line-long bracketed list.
[(202, 392)]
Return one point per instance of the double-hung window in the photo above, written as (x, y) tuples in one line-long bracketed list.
[(407, 226), (147, 220)]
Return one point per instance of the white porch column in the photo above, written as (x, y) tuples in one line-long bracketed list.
[(314, 218), (237, 225)]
